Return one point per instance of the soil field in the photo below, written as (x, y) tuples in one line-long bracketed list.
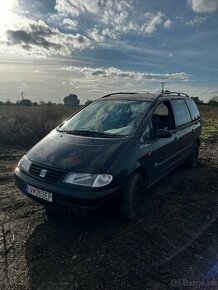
[(174, 245)]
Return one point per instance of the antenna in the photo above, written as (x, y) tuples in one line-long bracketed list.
[(22, 95), (162, 85)]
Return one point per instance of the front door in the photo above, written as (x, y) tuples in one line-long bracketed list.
[(164, 149)]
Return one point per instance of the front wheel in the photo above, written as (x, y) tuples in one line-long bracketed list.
[(192, 161), (132, 198)]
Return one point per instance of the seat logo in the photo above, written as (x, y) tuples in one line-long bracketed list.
[(43, 173)]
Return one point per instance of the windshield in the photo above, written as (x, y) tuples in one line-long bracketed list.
[(111, 117)]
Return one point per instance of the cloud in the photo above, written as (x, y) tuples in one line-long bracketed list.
[(97, 22), (70, 24), (203, 6), (152, 21), (76, 7), (110, 19), (121, 23), (41, 39), (168, 23), (112, 72), (197, 20), (96, 35), (36, 36), (93, 82)]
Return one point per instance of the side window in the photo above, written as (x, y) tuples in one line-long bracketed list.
[(162, 117), (161, 110), (181, 112), (193, 109), (147, 133)]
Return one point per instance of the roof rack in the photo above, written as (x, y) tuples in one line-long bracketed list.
[(120, 93), (173, 93)]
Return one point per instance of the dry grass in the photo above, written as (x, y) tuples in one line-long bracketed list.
[(22, 127), (208, 113)]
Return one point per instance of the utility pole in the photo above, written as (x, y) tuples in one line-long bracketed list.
[(162, 85), (22, 95)]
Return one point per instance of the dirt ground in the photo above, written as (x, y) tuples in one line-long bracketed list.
[(173, 246)]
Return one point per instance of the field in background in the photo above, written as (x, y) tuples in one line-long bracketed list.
[(22, 127)]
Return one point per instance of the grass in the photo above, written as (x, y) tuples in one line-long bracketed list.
[(22, 127), (209, 130), (209, 116)]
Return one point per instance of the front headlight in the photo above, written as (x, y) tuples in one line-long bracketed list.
[(92, 180), (24, 164)]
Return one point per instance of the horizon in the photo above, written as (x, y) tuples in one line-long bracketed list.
[(48, 101), (91, 48)]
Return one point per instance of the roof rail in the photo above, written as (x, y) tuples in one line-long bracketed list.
[(173, 93), (120, 93)]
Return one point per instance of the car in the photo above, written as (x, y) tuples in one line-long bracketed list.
[(111, 151)]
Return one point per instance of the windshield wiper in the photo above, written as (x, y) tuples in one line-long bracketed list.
[(91, 133)]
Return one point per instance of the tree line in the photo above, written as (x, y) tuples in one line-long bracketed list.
[(70, 100), (213, 101), (74, 101)]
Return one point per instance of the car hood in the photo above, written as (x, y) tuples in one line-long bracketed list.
[(75, 153)]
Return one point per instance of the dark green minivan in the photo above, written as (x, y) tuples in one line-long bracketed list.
[(112, 150)]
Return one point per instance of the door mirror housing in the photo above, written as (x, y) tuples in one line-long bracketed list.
[(163, 133)]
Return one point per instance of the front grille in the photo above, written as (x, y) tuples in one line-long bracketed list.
[(52, 174)]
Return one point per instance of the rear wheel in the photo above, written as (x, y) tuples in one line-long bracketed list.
[(132, 198), (192, 161)]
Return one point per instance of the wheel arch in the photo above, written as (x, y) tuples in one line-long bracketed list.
[(144, 173)]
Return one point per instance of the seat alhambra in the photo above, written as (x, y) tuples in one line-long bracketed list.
[(112, 150)]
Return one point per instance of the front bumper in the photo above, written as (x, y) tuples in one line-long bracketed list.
[(65, 197)]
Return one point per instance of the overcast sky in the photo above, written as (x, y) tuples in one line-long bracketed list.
[(51, 48)]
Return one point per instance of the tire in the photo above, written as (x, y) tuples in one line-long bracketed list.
[(50, 213), (192, 161), (132, 199)]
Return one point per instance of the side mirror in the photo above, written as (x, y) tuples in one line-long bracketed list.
[(163, 133)]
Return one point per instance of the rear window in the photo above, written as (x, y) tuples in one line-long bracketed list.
[(193, 109), (181, 112)]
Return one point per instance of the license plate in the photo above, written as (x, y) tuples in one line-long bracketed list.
[(39, 193)]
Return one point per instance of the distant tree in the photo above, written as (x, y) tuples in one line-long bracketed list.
[(42, 103), (88, 102), (49, 103), (71, 100), (213, 101), (24, 102), (35, 104), (8, 103), (197, 100), (1, 103)]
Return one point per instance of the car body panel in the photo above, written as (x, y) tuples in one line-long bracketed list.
[(74, 153)]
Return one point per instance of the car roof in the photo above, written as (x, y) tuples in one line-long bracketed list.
[(149, 97)]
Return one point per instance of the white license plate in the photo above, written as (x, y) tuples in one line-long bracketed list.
[(39, 193)]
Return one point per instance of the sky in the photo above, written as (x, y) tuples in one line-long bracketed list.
[(49, 49)]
